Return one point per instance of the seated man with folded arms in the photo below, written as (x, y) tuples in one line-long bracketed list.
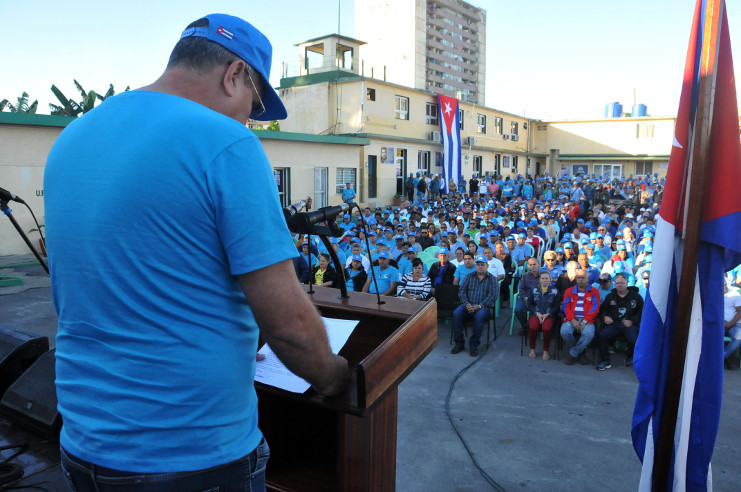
[(620, 312)]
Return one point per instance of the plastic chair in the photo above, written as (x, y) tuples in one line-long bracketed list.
[(432, 251), (446, 296), (512, 321)]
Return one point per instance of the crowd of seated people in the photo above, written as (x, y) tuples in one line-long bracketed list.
[(563, 246)]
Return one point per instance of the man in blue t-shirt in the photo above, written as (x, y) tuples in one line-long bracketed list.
[(158, 309), (386, 276), (348, 193), (468, 266)]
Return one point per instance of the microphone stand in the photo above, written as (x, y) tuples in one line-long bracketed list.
[(9, 213)]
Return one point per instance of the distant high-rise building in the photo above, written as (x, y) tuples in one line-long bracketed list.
[(435, 45)]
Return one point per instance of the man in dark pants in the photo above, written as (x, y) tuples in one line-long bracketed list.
[(478, 293), (619, 313)]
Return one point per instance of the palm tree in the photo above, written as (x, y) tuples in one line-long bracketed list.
[(21, 107)]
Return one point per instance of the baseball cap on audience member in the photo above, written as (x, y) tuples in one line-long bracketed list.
[(648, 249), (443, 251), (481, 259), (522, 235), (384, 254), (604, 277), (560, 250), (346, 216), (618, 267), (589, 246), (399, 236), (244, 40), (621, 247), (568, 245), (357, 258)]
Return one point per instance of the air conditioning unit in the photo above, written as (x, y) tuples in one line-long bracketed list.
[(514, 137), (435, 136), (471, 140), (505, 136)]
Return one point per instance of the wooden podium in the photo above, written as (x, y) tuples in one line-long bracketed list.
[(348, 442)]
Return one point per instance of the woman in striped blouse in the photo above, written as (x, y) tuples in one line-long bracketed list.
[(415, 285)]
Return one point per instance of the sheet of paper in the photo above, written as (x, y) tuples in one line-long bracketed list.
[(273, 372)]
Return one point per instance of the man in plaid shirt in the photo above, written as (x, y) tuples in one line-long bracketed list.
[(478, 292)]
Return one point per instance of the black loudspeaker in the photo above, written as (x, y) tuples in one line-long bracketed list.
[(31, 401), (18, 350)]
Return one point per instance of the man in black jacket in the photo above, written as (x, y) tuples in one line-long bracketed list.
[(620, 312), (441, 272)]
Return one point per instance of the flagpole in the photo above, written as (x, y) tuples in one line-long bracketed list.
[(693, 210)]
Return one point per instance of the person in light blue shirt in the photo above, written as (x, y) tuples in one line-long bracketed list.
[(468, 266), (348, 194), (146, 295), (405, 263), (346, 223), (527, 190), (386, 276), (507, 189)]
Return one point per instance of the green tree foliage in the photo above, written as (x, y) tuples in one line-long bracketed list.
[(69, 107), (274, 126), (21, 107)]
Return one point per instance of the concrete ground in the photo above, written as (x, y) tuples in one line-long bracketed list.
[(530, 424)]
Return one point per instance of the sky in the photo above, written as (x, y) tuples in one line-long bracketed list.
[(545, 59)]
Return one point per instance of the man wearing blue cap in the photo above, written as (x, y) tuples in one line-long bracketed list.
[(132, 404), (478, 292), (386, 276)]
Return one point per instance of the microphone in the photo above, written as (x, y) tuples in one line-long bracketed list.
[(303, 221), (6, 196), (291, 210)]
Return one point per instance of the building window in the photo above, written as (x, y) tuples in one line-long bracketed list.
[(477, 165), (431, 114), (497, 125), (514, 164), (460, 118), (480, 123), (497, 163), (401, 108), (439, 159), (370, 94), (423, 161), (345, 175), (644, 130), (513, 129), (612, 171), (643, 168)]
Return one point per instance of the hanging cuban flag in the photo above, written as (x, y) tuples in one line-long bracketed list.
[(450, 131), (700, 199)]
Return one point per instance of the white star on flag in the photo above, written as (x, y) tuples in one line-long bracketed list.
[(448, 109), (676, 143)]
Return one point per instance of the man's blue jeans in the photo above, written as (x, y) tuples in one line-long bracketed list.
[(245, 474), (460, 315), (734, 332), (567, 333), (521, 312)]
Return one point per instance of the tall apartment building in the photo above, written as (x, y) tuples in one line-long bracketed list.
[(435, 45)]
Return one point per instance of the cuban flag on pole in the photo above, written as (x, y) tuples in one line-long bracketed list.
[(450, 131), (699, 407)]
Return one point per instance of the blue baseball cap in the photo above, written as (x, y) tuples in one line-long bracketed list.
[(333, 240), (648, 259), (589, 246), (522, 235), (358, 258), (510, 238), (618, 267), (582, 251), (648, 249), (443, 251), (384, 254), (346, 216), (560, 250), (481, 259), (399, 236), (593, 235), (244, 40), (568, 245)]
